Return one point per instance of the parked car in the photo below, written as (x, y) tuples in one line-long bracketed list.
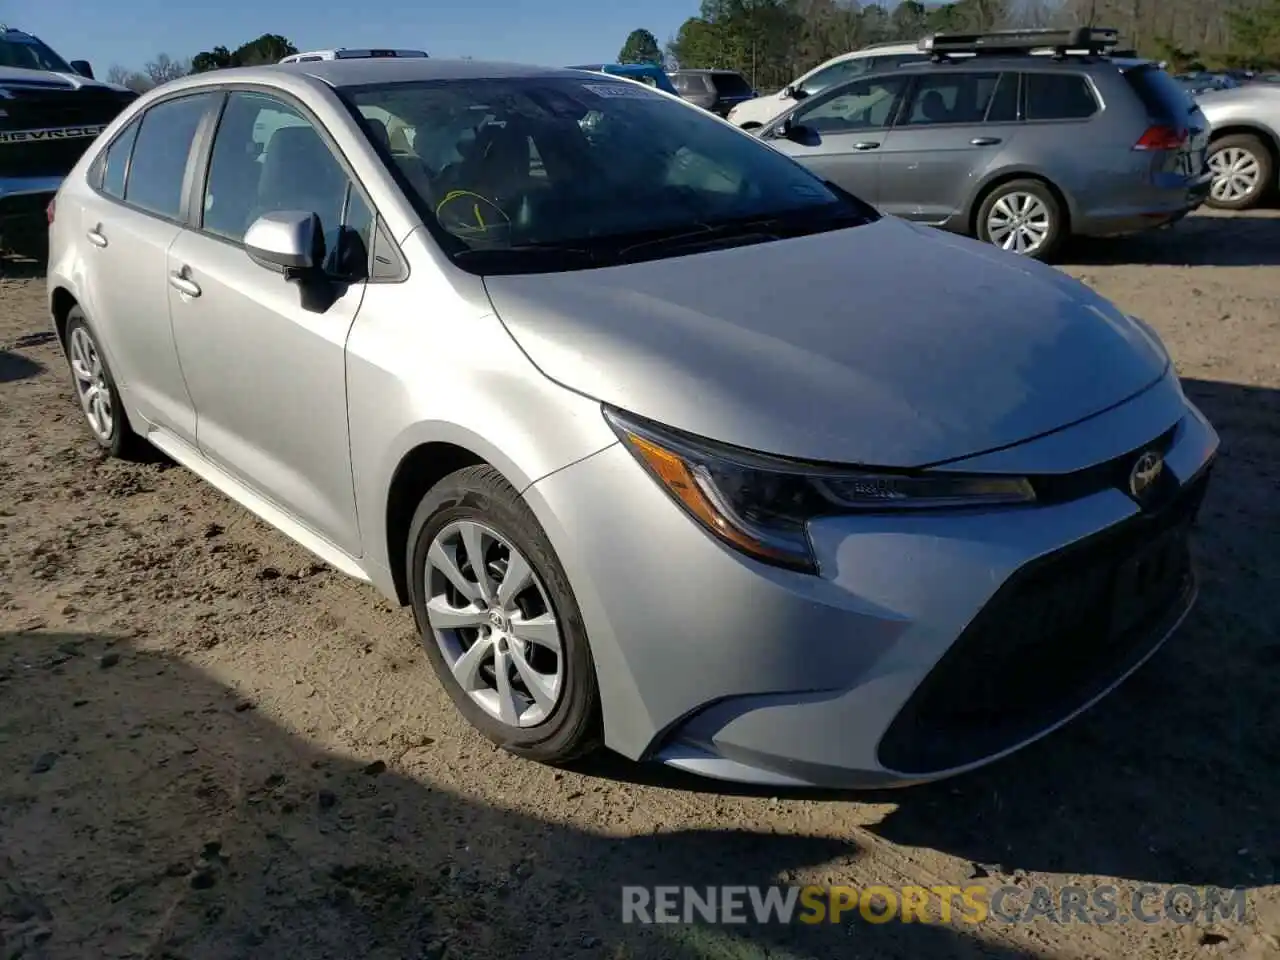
[(50, 111), (719, 91), (647, 73), (344, 53), (757, 112), (876, 504), (1244, 144), (1198, 83), (1008, 146)]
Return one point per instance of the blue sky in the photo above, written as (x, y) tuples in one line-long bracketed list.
[(553, 32)]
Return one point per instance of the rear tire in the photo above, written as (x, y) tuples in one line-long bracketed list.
[(470, 637), (1022, 213), (97, 393), (32, 243), (1243, 172)]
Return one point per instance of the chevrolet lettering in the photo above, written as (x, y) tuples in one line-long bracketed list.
[(52, 133)]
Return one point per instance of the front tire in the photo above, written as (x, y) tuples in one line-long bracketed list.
[(1023, 217), (499, 620), (1242, 172), (96, 390)]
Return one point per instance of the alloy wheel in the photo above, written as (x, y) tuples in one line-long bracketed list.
[(1236, 174), (490, 615), (1019, 222), (92, 388)]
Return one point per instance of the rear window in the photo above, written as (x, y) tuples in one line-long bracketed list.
[(731, 84), (1164, 98)]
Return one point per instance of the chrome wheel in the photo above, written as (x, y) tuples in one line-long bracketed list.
[(1236, 174), (91, 384), (1019, 222), (494, 625)]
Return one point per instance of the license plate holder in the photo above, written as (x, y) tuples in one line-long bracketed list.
[(1149, 579)]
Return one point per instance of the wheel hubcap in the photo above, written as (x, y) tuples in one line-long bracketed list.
[(1019, 222), (490, 616), (91, 384), (1236, 174)]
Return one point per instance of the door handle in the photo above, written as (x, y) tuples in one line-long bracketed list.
[(96, 236), (985, 141), (867, 145), (184, 284)]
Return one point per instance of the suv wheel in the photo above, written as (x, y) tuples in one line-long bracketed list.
[(96, 390), (1241, 168), (1021, 216), (499, 620)]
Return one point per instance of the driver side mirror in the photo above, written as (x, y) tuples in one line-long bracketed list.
[(82, 67), (289, 241), (788, 129)]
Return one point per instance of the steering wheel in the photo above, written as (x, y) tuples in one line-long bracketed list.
[(472, 217)]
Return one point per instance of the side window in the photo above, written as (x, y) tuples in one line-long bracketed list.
[(836, 73), (951, 98), (291, 169), (1059, 96), (861, 105), (115, 162), (160, 151), (1004, 103)]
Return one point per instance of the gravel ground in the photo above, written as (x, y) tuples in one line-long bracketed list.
[(212, 746)]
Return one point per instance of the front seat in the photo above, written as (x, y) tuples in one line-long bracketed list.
[(933, 108)]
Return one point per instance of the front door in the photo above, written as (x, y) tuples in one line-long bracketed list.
[(844, 130), (265, 365), (953, 128)]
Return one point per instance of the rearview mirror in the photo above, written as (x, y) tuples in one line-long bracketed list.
[(798, 93), (291, 241), (82, 67)]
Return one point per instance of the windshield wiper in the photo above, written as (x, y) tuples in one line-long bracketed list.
[(529, 251), (794, 223)]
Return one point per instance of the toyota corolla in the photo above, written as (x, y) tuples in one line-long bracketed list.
[(671, 446)]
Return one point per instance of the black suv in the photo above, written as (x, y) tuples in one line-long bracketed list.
[(50, 111), (716, 90)]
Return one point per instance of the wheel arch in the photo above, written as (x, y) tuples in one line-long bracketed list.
[(61, 303), (997, 180), (1270, 139)]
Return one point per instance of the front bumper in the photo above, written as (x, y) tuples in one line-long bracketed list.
[(715, 664)]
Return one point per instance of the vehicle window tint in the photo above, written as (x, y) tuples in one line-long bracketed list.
[(1059, 96), (115, 163), (861, 105), (1004, 103), (160, 154), (731, 84), (293, 170), (951, 98)]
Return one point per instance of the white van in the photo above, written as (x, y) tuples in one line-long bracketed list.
[(760, 110), (343, 53)]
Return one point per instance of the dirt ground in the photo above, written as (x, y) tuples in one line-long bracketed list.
[(212, 746)]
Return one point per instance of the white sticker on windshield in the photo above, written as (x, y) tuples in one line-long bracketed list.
[(619, 90)]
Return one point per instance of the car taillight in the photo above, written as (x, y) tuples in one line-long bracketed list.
[(48, 211), (1161, 138)]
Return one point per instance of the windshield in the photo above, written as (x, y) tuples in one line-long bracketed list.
[(18, 50), (518, 167)]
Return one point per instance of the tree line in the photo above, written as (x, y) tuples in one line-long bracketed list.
[(773, 41), (268, 48)]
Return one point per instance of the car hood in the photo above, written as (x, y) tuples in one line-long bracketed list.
[(20, 78), (888, 344)]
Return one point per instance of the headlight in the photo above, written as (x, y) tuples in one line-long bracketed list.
[(761, 505)]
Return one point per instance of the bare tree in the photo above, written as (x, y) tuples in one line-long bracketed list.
[(164, 68)]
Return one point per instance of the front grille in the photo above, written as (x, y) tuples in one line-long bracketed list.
[(53, 110), (1057, 634)]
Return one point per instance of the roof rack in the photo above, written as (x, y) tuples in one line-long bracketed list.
[(1078, 40)]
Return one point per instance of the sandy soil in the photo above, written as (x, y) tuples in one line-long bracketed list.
[(212, 746)]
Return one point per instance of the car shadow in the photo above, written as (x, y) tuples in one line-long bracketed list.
[(14, 366), (1191, 793), (148, 811), (1202, 240)]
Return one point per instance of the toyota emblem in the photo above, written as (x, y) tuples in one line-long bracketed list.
[(1146, 471)]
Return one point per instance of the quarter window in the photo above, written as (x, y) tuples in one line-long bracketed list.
[(951, 98), (1059, 96), (115, 162), (862, 105), (160, 152), (267, 157), (1004, 104)]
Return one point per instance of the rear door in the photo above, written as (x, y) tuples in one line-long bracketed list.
[(953, 128), (847, 127), (129, 221)]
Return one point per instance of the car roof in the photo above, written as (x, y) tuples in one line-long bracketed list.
[(707, 70), (1038, 61), (362, 71)]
